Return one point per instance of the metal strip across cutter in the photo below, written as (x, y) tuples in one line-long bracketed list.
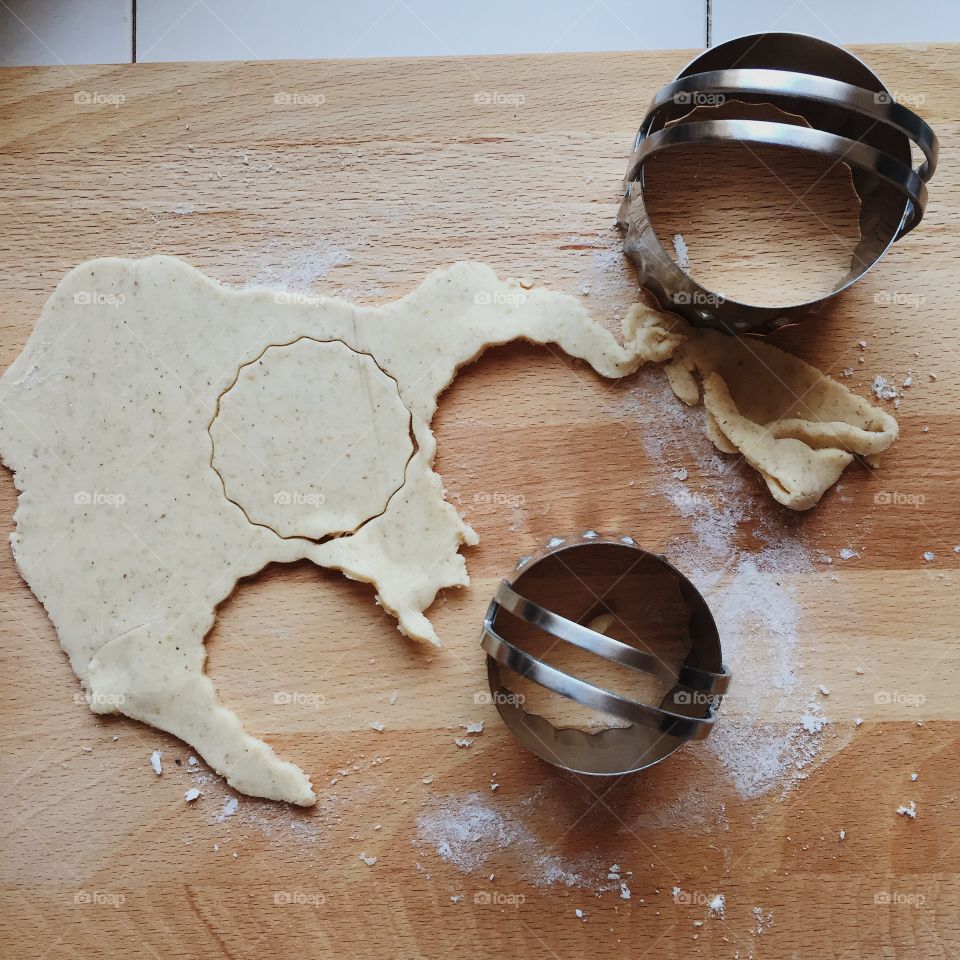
[(619, 588), (840, 110)]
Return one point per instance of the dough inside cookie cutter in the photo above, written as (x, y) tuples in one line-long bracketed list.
[(851, 118), (626, 608)]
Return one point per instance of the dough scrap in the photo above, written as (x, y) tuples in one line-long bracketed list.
[(796, 426), (124, 531)]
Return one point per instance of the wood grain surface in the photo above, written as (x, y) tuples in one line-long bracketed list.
[(359, 177)]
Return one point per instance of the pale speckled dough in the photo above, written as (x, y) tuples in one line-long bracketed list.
[(312, 440), (796, 426), (124, 531)]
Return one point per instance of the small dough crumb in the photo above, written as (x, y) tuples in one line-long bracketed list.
[(908, 810)]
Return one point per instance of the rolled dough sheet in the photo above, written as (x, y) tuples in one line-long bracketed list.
[(124, 529)]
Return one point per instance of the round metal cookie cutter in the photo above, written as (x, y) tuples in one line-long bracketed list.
[(852, 118), (574, 592)]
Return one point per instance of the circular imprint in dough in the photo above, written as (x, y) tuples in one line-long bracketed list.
[(312, 440)]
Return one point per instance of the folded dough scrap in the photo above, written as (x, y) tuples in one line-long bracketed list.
[(798, 427)]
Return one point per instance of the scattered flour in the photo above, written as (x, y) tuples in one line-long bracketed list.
[(812, 723), (764, 920), (609, 283), (299, 269), (466, 832), (691, 809), (278, 822), (770, 730)]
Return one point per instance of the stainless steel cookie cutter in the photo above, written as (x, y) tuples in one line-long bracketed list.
[(852, 118), (557, 593)]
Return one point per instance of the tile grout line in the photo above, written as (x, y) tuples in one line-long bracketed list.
[(134, 44)]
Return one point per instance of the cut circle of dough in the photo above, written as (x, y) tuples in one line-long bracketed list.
[(312, 439)]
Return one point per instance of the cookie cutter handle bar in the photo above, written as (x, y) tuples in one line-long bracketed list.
[(589, 695), (880, 107), (853, 152), (702, 681)]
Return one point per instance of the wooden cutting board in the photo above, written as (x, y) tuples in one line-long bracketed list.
[(359, 177)]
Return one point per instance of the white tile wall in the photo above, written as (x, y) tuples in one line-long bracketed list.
[(35, 32), (228, 30), (841, 21), (102, 31)]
